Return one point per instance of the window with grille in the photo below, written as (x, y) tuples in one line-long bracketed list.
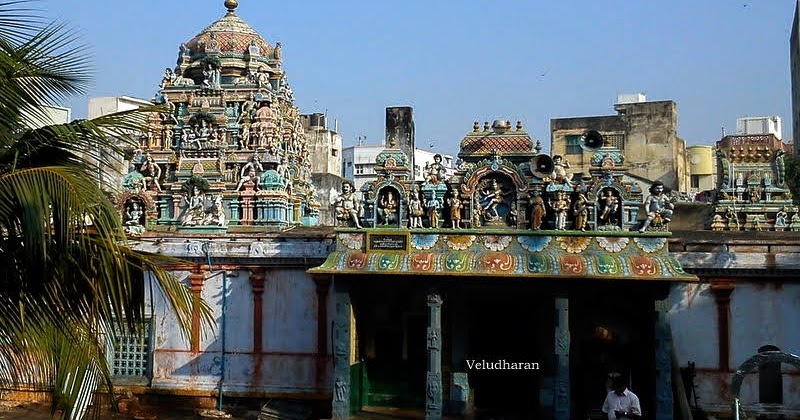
[(615, 140), (574, 145), (131, 355)]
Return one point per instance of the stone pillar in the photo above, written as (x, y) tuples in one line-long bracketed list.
[(196, 279), (722, 295), (341, 353), (323, 284), (663, 350), (433, 383), (561, 386), (257, 278)]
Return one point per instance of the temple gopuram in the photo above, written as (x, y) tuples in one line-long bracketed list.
[(752, 191), (230, 149), (556, 281)]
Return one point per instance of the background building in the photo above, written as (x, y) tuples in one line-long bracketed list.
[(645, 132), (760, 125), (358, 163), (325, 147), (52, 115), (110, 104), (794, 58), (702, 168)]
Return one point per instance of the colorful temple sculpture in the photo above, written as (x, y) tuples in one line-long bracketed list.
[(752, 191), (229, 148), (440, 273), (504, 182)]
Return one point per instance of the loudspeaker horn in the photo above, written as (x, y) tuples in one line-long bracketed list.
[(542, 166), (592, 140)]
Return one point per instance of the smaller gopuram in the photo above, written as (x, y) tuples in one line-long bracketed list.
[(752, 193), (229, 148), (430, 276)]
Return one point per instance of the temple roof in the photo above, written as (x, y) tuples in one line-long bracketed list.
[(232, 35), (501, 138), (542, 254)]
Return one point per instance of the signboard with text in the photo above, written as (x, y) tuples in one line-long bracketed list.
[(379, 241)]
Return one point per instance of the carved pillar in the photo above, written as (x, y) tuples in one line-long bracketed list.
[(323, 284), (663, 363), (433, 383), (246, 218), (561, 386), (722, 295), (341, 353), (176, 206), (196, 279), (257, 279)]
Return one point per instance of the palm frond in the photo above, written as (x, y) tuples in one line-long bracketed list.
[(17, 22)]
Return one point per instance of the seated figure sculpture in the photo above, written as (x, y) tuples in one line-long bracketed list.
[(658, 207), (348, 206), (387, 209)]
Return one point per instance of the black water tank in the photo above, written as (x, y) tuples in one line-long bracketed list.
[(317, 120)]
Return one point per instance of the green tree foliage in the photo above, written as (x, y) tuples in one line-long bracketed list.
[(69, 281), (793, 175)]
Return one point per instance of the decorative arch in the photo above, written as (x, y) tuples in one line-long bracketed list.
[(754, 362), (483, 171), (146, 199), (388, 213)]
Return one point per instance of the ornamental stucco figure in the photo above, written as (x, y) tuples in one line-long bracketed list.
[(250, 172), (133, 218), (609, 205), (494, 196), (580, 209), (560, 207), (658, 207), (194, 208), (433, 205), (348, 206), (415, 209), (435, 172), (152, 173), (387, 209), (455, 210), (562, 172), (537, 211)]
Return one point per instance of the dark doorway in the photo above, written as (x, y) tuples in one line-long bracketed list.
[(770, 382), (612, 330), (505, 327), (391, 329)]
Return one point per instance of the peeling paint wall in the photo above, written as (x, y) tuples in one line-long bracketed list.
[(288, 360), (760, 314)]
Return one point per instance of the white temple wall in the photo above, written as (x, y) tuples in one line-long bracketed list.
[(288, 361), (760, 314)]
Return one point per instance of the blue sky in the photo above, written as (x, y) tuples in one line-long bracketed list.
[(460, 61)]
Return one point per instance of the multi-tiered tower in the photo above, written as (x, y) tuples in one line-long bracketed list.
[(230, 147)]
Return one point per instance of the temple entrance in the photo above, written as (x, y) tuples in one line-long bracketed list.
[(612, 331), (507, 326), (390, 352)]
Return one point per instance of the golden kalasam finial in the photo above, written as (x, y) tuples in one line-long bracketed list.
[(231, 5)]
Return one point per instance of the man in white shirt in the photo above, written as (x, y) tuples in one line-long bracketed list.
[(621, 403)]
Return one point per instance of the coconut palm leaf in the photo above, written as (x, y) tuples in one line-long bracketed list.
[(70, 282)]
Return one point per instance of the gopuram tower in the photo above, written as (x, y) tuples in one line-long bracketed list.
[(229, 148)]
